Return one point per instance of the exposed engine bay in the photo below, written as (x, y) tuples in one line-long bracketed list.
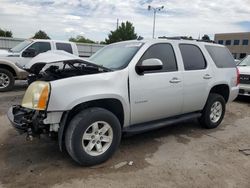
[(59, 70)]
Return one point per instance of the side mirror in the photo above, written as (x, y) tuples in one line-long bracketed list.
[(30, 52), (149, 65)]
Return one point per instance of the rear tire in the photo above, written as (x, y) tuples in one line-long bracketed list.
[(213, 112), (93, 136), (7, 80)]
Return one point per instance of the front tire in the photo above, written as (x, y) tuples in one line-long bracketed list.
[(213, 112), (93, 136), (7, 80)]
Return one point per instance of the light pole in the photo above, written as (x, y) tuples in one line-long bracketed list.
[(155, 10)]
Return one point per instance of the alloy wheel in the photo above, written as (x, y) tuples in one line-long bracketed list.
[(4, 80), (97, 138), (216, 111)]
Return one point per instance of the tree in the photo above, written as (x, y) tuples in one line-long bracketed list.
[(124, 32), (5, 33), (81, 39), (205, 38), (41, 35)]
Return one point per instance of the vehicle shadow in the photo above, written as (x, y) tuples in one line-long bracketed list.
[(242, 99)]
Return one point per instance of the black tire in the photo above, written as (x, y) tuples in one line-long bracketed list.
[(205, 119), (11, 80), (75, 131)]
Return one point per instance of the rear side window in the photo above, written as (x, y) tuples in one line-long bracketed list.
[(165, 53), (221, 56), (192, 56), (64, 46)]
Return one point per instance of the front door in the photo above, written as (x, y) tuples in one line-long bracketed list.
[(38, 47), (156, 94)]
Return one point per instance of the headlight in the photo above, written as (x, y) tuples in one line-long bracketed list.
[(36, 96)]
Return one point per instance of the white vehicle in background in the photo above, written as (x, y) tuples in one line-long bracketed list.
[(13, 60), (244, 69), (125, 88)]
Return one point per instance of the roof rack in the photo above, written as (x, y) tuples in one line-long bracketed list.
[(186, 38)]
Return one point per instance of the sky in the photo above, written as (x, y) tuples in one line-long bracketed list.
[(94, 19)]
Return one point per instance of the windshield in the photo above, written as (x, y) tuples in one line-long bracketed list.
[(116, 56), (245, 62), (21, 46)]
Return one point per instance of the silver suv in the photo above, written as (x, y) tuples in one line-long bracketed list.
[(126, 88)]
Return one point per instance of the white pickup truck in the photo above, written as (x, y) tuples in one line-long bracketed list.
[(12, 61)]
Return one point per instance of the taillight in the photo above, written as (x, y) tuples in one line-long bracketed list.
[(238, 76)]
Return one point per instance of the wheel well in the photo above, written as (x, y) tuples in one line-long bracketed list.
[(222, 90), (113, 105), (8, 68)]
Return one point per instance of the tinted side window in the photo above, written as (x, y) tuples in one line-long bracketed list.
[(165, 53), (41, 47), (221, 56), (192, 56), (64, 46)]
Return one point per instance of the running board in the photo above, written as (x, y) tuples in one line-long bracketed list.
[(144, 127)]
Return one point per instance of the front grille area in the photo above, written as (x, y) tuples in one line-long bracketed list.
[(244, 79)]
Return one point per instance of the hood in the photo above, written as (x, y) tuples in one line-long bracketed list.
[(56, 65), (51, 57), (244, 69), (5, 53)]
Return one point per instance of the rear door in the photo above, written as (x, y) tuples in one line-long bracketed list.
[(156, 94), (197, 76)]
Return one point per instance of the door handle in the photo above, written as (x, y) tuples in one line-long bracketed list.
[(175, 80), (207, 76)]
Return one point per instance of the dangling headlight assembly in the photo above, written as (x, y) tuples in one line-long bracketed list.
[(37, 96)]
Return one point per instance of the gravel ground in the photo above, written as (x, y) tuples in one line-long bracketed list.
[(183, 155)]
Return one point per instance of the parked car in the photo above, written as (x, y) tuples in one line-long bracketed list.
[(126, 88), (244, 69), (12, 61)]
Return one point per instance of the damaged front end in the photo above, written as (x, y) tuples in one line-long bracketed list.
[(32, 116), (29, 117), (52, 66), (28, 121)]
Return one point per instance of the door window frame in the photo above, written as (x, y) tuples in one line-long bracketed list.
[(159, 71), (206, 64), (35, 43)]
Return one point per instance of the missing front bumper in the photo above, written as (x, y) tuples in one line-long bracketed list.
[(27, 120)]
